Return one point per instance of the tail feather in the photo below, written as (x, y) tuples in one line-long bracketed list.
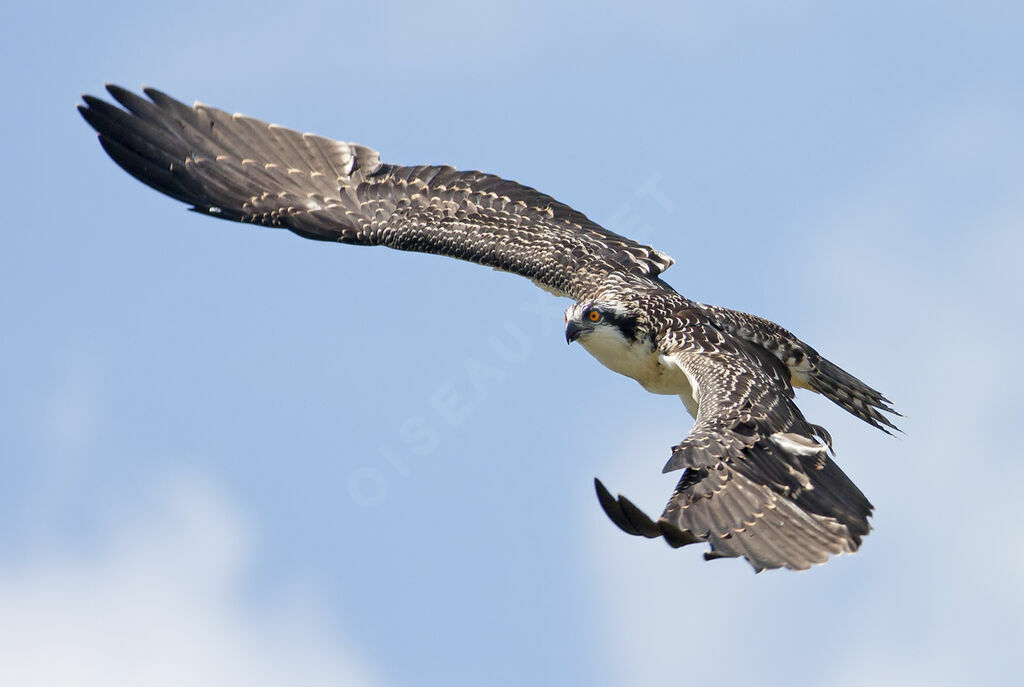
[(807, 367), (850, 393)]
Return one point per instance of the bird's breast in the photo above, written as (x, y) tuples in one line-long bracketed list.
[(641, 361)]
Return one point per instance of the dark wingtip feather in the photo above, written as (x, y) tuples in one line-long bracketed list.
[(117, 91), (626, 516), (159, 97), (92, 102), (132, 101), (676, 537), (611, 507), (640, 520), (83, 110)]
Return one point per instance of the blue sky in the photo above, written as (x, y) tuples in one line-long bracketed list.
[(231, 456)]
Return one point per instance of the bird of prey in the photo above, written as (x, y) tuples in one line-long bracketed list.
[(758, 479)]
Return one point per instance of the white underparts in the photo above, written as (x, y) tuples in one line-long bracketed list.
[(641, 361)]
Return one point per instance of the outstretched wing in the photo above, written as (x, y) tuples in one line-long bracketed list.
[(755, 482), (243, 169)]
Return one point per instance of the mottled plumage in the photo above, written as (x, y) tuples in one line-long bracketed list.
[(757, 480)]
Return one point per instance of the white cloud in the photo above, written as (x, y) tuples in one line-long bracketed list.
[(160, 604)]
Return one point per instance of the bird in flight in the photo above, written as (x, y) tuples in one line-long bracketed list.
[(758, 479)]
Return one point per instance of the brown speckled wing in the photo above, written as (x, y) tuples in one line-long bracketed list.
[(755, 482), (242, 169)]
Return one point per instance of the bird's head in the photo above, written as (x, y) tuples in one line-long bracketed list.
[(591, 321)]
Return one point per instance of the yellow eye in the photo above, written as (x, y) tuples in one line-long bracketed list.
[(594, 316)]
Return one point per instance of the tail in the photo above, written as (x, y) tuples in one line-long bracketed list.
[(807, 368), (846, 391)]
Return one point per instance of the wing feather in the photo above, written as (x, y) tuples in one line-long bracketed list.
[(755, 482), (243, 169)]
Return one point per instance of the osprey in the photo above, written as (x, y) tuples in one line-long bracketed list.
[(758, 479)]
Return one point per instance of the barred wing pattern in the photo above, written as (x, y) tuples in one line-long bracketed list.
[(243, 169), (755, 483)]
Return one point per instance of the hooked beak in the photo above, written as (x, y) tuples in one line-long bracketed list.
[(572, 332)]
